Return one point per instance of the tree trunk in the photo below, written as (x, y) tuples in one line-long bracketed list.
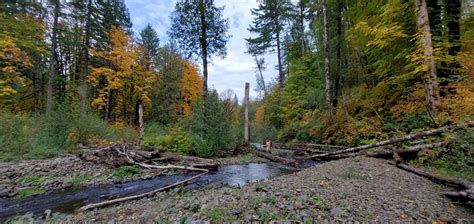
[(337, 75), (85, 67), (281, 76), (430, 76), (260, 68), (203, 40), (274, 158), (303, 41), (53, 71), (398, 139), (327, 73), (141, 124), (453, 11), (246, 115)]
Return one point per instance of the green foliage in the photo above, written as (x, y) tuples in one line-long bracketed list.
[(321, 201), (175, 140), (29, 192), (216, 214), (211, 126), (126, 171), (186, 28), (455, 160), (79, 179), (56, 133)]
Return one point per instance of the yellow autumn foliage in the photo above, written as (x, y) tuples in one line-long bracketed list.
[(191, 86), (12, 61), (126, 81)]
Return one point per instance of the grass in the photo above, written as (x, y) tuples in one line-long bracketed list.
[(25, 137), (216, 214), (33, 180), (127, 171), (321, 201), (79, 179), (29, 192), (352, 173)]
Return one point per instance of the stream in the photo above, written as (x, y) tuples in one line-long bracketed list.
[(70, 200)]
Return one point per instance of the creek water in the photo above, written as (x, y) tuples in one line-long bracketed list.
[(70, 200)]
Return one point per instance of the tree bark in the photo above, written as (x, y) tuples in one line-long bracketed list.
[(141, 124), (337, 76), (203, 40), (85, 67), (327, 73), (301, 23), (397, 139), (387, 153), (281, 76), (467, 187), (246, 115), (133, 197), (430, 77), (53, 63)]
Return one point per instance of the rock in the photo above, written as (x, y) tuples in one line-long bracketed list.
[(47, 214), (336, 211), (235, 212)]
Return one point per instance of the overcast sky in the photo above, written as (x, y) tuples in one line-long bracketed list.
[(229, 73)]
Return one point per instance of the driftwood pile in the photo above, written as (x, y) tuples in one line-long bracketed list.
[(122, 154)]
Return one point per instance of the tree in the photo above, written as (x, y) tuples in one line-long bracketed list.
[(200, 29), (12, 61), (268, 24), (53, 61), (327, 72), (150, 43), (430, 77), (124, 84), (191, 90)]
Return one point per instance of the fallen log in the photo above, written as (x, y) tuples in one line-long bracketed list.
[(274, 158), (387, 153), (467, 188), (133, 197), (396, 140)]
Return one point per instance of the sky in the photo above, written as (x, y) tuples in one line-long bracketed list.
[(229, 73)]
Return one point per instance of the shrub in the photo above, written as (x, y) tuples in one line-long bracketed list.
[(175, 140), (126, 171), (58, 132)]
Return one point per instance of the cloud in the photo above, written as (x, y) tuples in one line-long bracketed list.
[(229, 73)]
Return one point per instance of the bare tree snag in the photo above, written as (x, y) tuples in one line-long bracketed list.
[(246, 115), (467, 188), (133, 197), (397, 140), (327, 73), (140, 121), (430, 77)]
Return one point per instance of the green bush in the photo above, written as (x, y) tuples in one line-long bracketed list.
[(126, 171), (175, 140)]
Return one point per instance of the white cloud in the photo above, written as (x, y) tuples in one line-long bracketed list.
[(228, 73)]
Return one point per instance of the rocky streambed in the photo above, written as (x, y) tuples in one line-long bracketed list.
[(356, 189)]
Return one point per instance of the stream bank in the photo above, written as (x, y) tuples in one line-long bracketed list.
[(355, 189)]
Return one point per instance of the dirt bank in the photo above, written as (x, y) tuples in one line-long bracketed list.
[(356, 189)]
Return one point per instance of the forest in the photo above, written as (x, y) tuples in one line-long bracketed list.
[(396, 77)]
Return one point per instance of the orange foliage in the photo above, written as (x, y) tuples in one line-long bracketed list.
[(191, 86), (126, 78)]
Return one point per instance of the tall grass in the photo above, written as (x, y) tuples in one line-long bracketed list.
[(24, 137)]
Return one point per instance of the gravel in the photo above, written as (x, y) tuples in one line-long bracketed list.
[(355, 189)]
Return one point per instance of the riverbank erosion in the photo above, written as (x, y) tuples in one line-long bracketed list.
[(354, 189)]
